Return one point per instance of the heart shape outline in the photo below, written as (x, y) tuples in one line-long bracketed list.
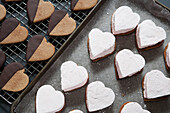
[(40, 52), (94, 93), (44, 11), (100, 44), (155, 85), (148, 35), (72, 76), (15, 34), (124, 14), (47, 96), (21, 84), (64, 25), (14, 80), (127, 62)]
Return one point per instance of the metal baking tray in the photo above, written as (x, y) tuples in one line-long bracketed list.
[(16, 52), (128, 89), (164, 3)]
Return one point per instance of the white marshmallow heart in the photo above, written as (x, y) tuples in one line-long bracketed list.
[(72, 76), (148, 34), (127, 63), (100, 43), (75, 111), (48, 100), (98, 96), (155, 85), (124, 20), (167, 53), (133, 107)]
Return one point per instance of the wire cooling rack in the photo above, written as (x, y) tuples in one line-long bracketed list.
[(16, 52)]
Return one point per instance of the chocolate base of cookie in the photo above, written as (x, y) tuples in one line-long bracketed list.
[(123, 106), (167, 67), (146, 99), (116, 72), (95, 60), (126, 33), (149, 47)]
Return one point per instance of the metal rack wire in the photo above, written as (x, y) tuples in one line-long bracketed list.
[(16, 52)]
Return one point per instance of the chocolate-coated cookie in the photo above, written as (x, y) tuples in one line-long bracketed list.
[(38, 49), (12, 32), (61, 24), (39, 10), (14, 80)]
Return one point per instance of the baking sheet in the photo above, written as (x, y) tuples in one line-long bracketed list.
[(129, 89), (16, 52), (165, 3)]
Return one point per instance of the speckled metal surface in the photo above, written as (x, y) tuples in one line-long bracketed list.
[(129, 89)]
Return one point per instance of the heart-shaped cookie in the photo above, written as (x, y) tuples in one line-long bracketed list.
[(39, 10), (48, 100), (100, 44), (73, 76), (132, 107), (38, 49), (14, 80), (128, 64), (12, 32), (124, 21), (167, 56), (77, 5), (2, 12), (98, 96), (75, 111), (155, 85), (2, 58), (148, 35), (61, 24)]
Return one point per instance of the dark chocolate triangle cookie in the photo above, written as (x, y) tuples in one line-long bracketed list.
[(61, 24), (39, 10), (12, 32), (38, 49), (13, 77)]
